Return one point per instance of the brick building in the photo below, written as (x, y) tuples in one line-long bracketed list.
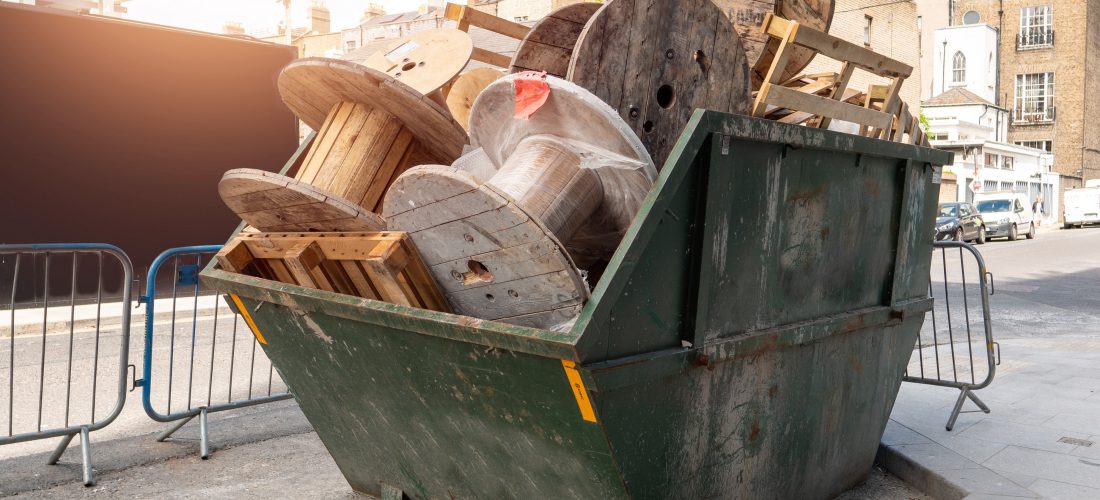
[(1048, 75), (887, 27), (520, 10)]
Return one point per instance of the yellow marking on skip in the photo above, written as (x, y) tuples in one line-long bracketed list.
[(579, 391), (248, 318)]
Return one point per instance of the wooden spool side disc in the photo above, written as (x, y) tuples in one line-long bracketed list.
[(549, 45), (276, 203), (656, 61), (464, 92), (425, 60), (490, 257), (747, 16), (311, 87)]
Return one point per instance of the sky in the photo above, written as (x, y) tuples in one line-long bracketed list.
[(255, 15)]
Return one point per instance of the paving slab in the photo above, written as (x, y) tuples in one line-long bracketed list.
[(1040, 439)]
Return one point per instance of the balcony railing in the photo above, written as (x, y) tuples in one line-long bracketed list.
[(1034, 40), (1022, 117)]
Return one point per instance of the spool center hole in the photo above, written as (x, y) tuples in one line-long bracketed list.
[(666, 96), (648, 126), (478, 273), (408, 66)]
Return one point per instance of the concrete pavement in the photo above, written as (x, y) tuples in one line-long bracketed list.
[(1042, 436)]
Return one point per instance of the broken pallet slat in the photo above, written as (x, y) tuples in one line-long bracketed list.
[(377, 265)]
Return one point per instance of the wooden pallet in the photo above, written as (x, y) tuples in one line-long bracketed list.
[(381, 266), (468, 16), (880, 122)]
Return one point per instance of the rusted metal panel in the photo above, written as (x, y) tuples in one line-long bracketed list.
[(747, 340)]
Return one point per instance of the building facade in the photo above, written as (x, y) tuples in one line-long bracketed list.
[(963, 118), (887, 27), (1049, 74)]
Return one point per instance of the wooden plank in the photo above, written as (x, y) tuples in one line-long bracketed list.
[(838, 49), (374, 265), (468, 16), (487, 57), (846, 71), (775, 74), (827, 107), (234, 257), (302, 260)]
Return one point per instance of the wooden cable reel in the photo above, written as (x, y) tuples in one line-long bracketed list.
[(370, 128), (655, 63), (427, 61), (496, 245), (549, 45), (747, 16), (464, 91)]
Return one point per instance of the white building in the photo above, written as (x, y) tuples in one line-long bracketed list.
[(963, 119), (965, 56)]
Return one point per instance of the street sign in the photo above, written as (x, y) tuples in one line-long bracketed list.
[(976, 185)]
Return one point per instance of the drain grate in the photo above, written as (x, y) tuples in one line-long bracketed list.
[(1075, 442)]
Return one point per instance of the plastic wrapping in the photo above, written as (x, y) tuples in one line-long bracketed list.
[(590, 129)]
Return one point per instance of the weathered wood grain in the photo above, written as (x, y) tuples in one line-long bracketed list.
[(549, 45), (656, 61), (375, 265), (464, 92), (425, 60), (272, 202), (459, 218)]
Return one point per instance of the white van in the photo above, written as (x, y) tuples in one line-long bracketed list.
[(1082, 207), (1006, 214)]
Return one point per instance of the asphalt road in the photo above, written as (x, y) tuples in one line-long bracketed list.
[(1048, 286), (224, 365)]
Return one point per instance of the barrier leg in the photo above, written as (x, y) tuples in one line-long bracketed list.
[(86, 456), (60, 450), (973, 397), (963, 396), (204, 436), (167, 433)]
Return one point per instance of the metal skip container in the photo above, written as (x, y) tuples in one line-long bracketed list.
[(747, 340)]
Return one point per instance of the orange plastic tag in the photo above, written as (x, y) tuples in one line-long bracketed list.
[(532, 91)]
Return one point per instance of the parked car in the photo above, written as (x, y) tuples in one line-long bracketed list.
[(960, 221), (1006, 214)]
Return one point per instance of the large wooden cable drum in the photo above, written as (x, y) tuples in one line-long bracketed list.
[(370, 129), (549, 45), (657, 61), (496, 241), (747, 16)]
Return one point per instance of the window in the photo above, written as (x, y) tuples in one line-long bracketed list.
[(1034, 98), (350, 45), (1047, 146), (867, 20), (940, 136), (1008, 163), (991, 160), (520, 19), (1035, 27), (958, 68)]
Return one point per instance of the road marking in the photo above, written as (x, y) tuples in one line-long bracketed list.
[(579, 391)]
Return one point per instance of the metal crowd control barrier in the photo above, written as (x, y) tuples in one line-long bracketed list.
[(190, 304), (59, 294), (953, 350)]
